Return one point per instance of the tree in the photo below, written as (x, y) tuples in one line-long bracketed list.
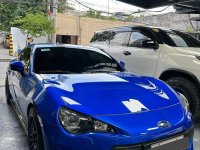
[(97, 14), (64, 5), (10, 11), (35, 25), (91, 14), (129, 18)]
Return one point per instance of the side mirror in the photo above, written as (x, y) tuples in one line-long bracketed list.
[(150, 44), (122, 64), (17, 66)]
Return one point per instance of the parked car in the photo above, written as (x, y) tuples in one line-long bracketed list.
[(169, 55), (80, 98)]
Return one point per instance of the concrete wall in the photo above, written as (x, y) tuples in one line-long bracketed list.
[(84, 27), (169, 20)]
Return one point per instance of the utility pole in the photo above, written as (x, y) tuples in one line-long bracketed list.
[(55, 9), (49, 16), (108, 8)]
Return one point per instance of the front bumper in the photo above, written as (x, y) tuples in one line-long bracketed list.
[(186, 141), (56, 138)]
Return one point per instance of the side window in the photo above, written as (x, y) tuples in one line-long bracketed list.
[(102, 37), (137, 38), (95, 37), (25, 57), (179, 41), (118, 38)]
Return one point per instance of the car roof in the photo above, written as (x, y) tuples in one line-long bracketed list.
[(44, 45), (129, 28)]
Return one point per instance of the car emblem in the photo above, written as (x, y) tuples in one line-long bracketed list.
[(164, 124)]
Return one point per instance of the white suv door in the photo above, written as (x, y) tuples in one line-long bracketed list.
[(116, 44), (139, 59)]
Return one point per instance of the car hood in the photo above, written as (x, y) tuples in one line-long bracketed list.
[(188, 50), (110, 94)]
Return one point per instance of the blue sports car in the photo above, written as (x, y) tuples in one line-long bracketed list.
[(71, 97)]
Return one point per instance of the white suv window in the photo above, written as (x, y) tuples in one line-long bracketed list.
[(137, 38), (178, 40), (118, 38)]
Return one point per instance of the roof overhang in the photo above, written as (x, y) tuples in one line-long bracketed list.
[(192, 7), (147, 4), (181, 6)]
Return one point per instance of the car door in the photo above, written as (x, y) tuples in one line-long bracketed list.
[(20, 81), (116, 44), (139, 58)]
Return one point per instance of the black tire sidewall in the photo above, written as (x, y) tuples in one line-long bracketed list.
[(7, 92), (33, 116), (189, 90)]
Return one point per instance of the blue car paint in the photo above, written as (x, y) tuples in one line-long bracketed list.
[(17, 66), (100, 96), (132, 127)]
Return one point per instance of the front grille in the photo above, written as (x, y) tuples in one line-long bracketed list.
[(136, 147), (146, 146)]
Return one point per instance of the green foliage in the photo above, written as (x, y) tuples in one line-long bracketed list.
[(12, 11), (129, 18), (141, 15), (35, 25), (64, 5), (91, 14), (97, 14), (189, 29), (112, 19)]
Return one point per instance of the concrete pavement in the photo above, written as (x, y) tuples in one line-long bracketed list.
[(4, 55), (4, 59), (12, 135)]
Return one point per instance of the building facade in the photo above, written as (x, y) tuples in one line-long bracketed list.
[(79, 30)]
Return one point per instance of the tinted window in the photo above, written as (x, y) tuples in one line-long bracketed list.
[(101, 36), (118, 38), (70, 60), (137, 38), (25, 57), (181, 39), (177, 39)]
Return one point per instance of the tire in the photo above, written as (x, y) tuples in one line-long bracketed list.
[(190, 91), (35, 138), (7, 92)]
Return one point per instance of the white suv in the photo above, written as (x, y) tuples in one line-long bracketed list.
[(167, 54)]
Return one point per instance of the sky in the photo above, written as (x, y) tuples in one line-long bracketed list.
[(115, 6)]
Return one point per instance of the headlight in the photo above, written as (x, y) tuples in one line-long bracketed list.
[(185, 102), (77, 123)]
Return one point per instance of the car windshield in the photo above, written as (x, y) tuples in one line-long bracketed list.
[(62, 60)]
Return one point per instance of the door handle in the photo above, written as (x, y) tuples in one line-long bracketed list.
[(126, 53)]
